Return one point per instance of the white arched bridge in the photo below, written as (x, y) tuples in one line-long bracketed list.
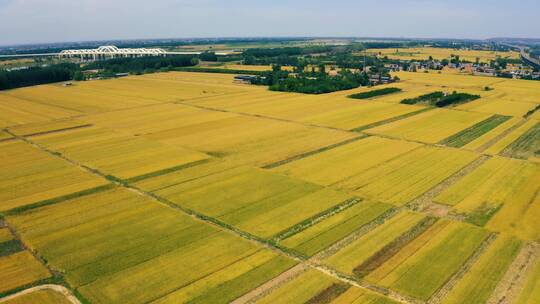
[(111, 51)]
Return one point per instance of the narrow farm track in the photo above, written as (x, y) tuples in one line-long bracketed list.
[(438, 296), (512, 282), (234, 231), (56, 288)]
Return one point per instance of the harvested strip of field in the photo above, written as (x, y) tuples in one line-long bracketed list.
[(466, 136), (479, 143), (431, 126), (404, 178), (526, 146), (513, 136), (362, 249), (393, 247), (374, 93), (47, 127), (481, 280), (10, 247), (109, 244), (332, 229), (44, 296), (29, 176), (500, 192), (302, 289), (116, 154), (338, 164), (531, 290), (355, 295), (257, 201), (419, 276), (20, 269)]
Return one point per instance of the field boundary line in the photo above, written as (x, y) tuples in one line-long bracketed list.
[(166, 170), (58, 130), (447, 287), (390, 120), (314, 152), (508, 288), (57, 288)]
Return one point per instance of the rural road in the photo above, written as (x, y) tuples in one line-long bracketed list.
[(58, 288)]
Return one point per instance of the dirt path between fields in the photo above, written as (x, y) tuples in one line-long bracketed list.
[(57, 288), (510, 285)]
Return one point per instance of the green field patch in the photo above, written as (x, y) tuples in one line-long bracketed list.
[(466, 136)]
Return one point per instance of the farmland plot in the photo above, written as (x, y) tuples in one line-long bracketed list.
[(356, 295), (20, 269), (494, 105), (332, 229), (360, 250), (252, 140), (338, 164), (501, 192), (468, 135), (301, 289), (116, 154), (479, 143), (527, 146), (431, 126), (425, 270), (480, 281), (517, 133), (16, 111), (29, 176), (47, 127), (259, 202), (119, 247), (404, 178)]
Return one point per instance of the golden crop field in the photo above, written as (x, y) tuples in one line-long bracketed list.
[(186, 187), (441, 53), (20, 269)]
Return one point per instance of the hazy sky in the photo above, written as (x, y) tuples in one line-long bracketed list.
[(32, 21)]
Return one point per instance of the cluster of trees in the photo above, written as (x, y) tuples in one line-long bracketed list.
[(313, 82), (374, 93), (440, 99), (430, 98), (68, 71), (36, 75), (141, 64)]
